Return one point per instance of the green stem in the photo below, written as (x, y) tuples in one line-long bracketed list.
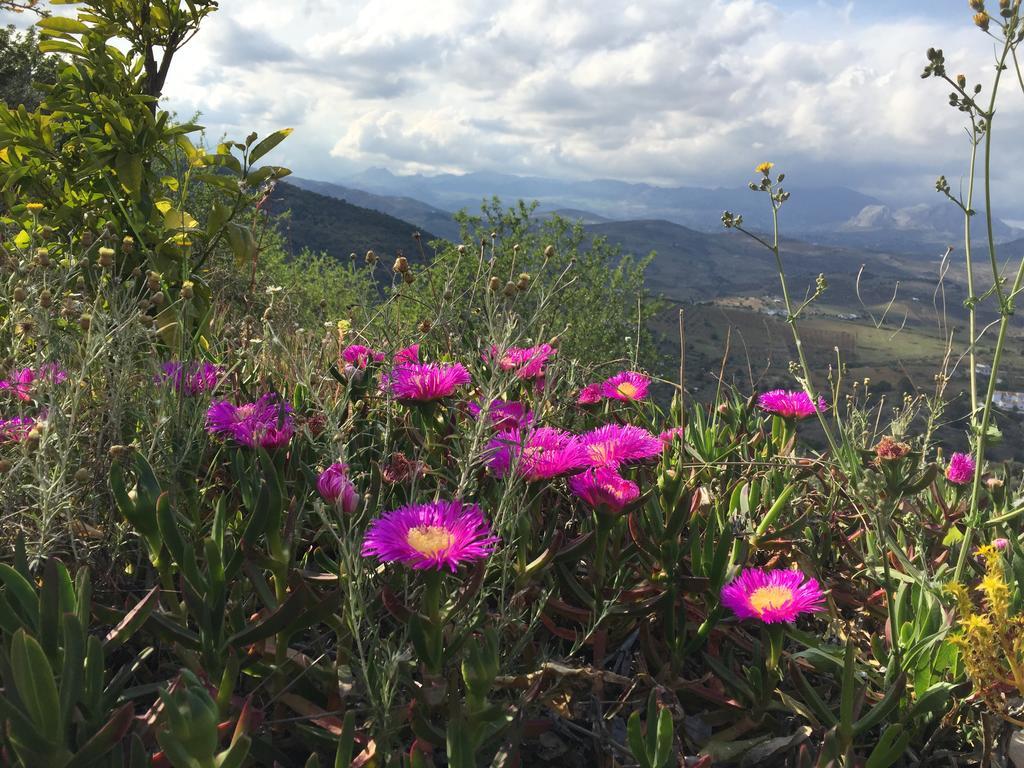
[(791, 319)]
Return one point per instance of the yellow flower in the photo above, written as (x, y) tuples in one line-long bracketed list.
[(35, 207), (765, 168)]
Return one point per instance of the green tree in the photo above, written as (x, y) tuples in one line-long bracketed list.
[(22, 65)]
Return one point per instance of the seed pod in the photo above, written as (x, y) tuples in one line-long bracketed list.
[(153, 280), (425, 326), (494, 284), (408, 278), (401, 265), (45, 299), (524, 281), (42, 257), (20, 294), (549, 252), (85, 322), (158, 299), (371, 257), (510, 289), (87, 239), (128, 244), (82, 475), (186, 290), (5, 466), (106, 258)]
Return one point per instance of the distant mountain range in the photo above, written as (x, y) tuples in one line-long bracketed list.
[(827, 215)]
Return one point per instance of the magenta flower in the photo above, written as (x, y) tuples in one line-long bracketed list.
[(266, 423), (16, 429), (1001, 544), (627, 386), (604, 488), (537, 454), (436, 535), (410, 354), (614, 444), (359, 356), (961, 469), (669, 436), (425, 382), (789, 404), (504, 415), (590, 394), (190, 379), (336, 488), (21, 381), (772, 596), (527, 362)]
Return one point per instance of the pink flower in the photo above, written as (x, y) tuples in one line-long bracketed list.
[(440, 534), (189, 378), (604, 488), (16, 429), (590, 394), (359, 356), (537, 454), (774, 596), (961, 469), (613, 444), (21, 381), (425, 382), (410, 354), (1001, 544), (627, 386), (336, 488), (790, 404), (504, 415), (669, 436), (266, 423), (527, 362)]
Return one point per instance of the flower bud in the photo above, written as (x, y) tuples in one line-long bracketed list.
[(549, 252), (510, 289), (106, 258), (461, 249), (153, 280), (158, 299), (961, 80), (85, 322), (87, 239), (337, 489), (494, 284), (524, 281), (981, 20), (401, 265), (34, 207), (128, 244), (371, 257), (5, 466), (82, 475), (20, 294), (186, 290), (425, 326), (408, 278), (42, 257), (45, 299)]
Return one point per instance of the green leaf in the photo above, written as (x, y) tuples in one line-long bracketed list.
[(105, 739), (22, 594), (34, 681), (268, 144), (62, 24), (132, 620), (129, 172)]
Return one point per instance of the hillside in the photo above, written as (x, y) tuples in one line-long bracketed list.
[(338, 228)]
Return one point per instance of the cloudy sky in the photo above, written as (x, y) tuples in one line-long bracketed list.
[(690, 92)]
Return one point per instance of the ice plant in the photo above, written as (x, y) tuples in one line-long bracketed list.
[(266, 423), (439, 534), (604, 489), (16, 429), (426, 382), (21, 381), (504, 415), (410, 354), (527, 362), (590, 394), (790, 404), (773, 596), (359, 356), (335, 487), (192, 378), (614, 444), (537, 454), (961, 469), (627, 386), (669, 436)]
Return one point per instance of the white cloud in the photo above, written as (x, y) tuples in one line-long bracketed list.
[(648, 90)]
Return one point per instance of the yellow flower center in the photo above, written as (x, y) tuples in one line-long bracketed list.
[(428, 540), (600, 453), (766, 598), (628, 390)]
